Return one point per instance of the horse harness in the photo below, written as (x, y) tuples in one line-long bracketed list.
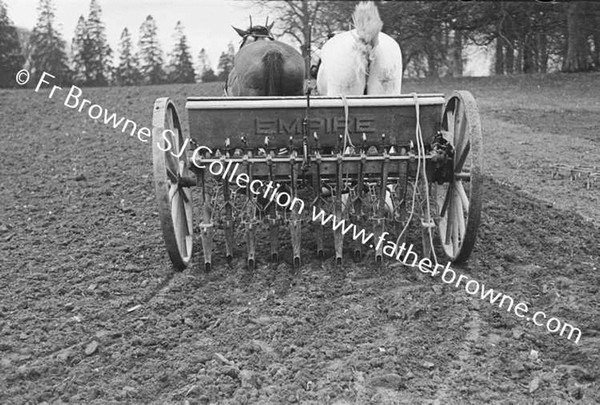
[(257, 32)]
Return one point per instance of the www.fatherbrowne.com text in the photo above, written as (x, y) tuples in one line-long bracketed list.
[(402, 253)]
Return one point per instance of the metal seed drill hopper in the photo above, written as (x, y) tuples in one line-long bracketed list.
[(265, 165)]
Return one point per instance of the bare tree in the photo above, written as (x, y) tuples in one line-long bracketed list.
[(296, 19), (527, 36), (578, 57)]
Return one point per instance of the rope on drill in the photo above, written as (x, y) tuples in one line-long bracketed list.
[(419, 134), (347, 139), (421, 172)]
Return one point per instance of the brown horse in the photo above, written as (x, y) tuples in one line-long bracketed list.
[(264, 66)]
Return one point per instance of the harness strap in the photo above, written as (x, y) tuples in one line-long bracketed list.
[(256, 36)]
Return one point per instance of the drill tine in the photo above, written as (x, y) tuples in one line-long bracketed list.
[(400, 215), (206, 226), (358, 205), (338, 237), (229, 220), (295, 222), (318, 204), (381, 205), (274, 232), (272, 216), (251, 222)]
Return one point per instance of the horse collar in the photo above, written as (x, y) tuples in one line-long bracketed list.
[(256, 37)]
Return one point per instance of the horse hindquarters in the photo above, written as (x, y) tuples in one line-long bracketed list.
[(343, 67), (293, 76), (273, 64)]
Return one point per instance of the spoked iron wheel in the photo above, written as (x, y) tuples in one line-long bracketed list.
[(172, 182), (459, 201)]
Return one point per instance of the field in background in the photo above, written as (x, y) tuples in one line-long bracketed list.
[(531, 122), (92, 312)]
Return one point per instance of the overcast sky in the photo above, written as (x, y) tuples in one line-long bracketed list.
[(207, 23)]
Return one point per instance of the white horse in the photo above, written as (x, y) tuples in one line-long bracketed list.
[(361, 61)]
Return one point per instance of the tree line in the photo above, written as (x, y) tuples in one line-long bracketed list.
[(90, 61), (524, 37)]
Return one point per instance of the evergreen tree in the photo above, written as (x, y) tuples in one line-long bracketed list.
[(203, 62), (205, 71), (151, 56), (47, 46), (80, 53), (209, 76), (128, 72), (226, 62), (11, 59), (99, 67), (181, 69), (24, 35)]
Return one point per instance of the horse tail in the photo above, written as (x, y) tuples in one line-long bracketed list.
[(273, 64), (367, 22)]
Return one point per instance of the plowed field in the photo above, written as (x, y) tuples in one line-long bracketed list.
[(91, 310)]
